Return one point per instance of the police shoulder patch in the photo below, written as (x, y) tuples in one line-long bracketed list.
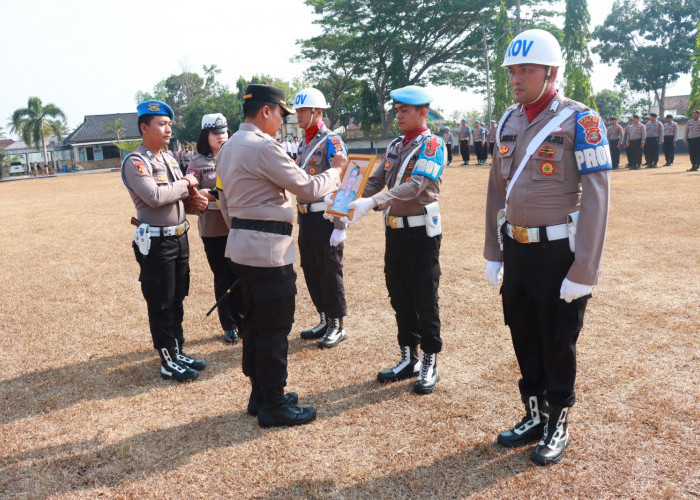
[(591, 149), (431, 159), (335, 145)]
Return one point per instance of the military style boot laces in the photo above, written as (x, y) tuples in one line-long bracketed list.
[(428, 376), (551, 447), (184, 359), (407, 367), (317, 331), (172, 369), (335, 334), (531, 427)]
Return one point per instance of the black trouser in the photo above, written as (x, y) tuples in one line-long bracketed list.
[(669, 149), (635, 153), (268, 295), (615, 153), (694, 149), (651, 150), (448, 147), (165, 282), (231, 308), (412, 271), (491, 146), (480, 150), (464, 149), (543, 327), (322, 265)]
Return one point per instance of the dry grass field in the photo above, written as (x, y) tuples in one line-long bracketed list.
[(85, 414)]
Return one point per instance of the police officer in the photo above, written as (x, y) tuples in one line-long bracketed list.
[(615, 134), (625, 142), (636, 136), (449, 139), (692, 140), (492, 136), (655, 132), (552, 166), (256, 174), (670, 137), (212, 226), (411, 169), (320, 240), (157, 188), (479, 142), (464, 135)]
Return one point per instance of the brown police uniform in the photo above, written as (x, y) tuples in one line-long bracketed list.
[(157, 189), (464, 136), (615, 136), (492, 138), (655, 132), (692, 137), (566, 174), (636, 136), (670, 137), (257, 175)]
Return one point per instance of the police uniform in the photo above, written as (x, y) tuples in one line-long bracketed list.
[(257, 176), (636, 136), (670, 137), (615, 135), (449, 142), (692, 137), (322, 263), (654, 134), (464, 134), (412, 173), (480, 143), (214, 233), (492, 137), (161, 248)]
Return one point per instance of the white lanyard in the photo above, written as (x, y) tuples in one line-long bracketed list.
[(318, 146)]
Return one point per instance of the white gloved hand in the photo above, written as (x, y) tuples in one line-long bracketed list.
[(337, 237), (494, 272), (571, 291), (328, 201), (361, 207)]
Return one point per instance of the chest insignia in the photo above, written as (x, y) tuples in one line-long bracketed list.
[(547, 168), (313, 160), (504, 149), (387, 164), (191, 171), (312, 170), (211, 176), (161, 178), (546, 152)]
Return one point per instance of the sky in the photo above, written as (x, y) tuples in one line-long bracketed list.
[(91, 57)]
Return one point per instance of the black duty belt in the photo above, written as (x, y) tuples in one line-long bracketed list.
[(266, 226)]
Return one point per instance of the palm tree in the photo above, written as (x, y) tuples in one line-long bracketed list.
[(116, 128), (34, 124)]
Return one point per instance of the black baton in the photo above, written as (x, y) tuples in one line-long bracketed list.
[(228, 292)]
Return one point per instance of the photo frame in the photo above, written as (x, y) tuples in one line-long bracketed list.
[(352, 185)]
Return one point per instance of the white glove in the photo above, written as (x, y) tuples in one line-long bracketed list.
[(361, 207), (571, 291), (328, 201), (494, 272), (337, 237)]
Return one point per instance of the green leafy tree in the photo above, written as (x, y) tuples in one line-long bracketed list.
[(35, 123), (609, 103), (578, 59), (695, 82), (117, 129), (127, 146), (651, 42), (369, 110)]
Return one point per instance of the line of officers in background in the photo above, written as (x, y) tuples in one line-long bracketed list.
[(645, 138)]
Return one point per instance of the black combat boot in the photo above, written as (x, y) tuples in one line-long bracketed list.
[(317, 331), (531, 427), (277, 412), (184, 359), (556, 438), (428, 376), (256, 399), (172, 369), (407, 367), (231, 336), (335, 333)]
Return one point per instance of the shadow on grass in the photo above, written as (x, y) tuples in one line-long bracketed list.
[(87, 464)]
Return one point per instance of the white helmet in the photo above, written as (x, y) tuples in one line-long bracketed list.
[(310, 98), (534, 47)]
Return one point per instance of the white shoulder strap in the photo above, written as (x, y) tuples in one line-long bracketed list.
[(405, 162), (313, 150), (535, 143)]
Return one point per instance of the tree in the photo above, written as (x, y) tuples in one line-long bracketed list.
[(117, 129), (34, 123), (608, 103), (578, 59), (503, 34), (695, 82), (652, 43)]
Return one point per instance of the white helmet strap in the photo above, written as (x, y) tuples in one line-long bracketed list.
[(547, 78)]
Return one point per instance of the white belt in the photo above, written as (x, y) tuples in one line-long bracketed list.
[(532, 234), (179, 230), (212, 205), (308, 208), (398, 222)]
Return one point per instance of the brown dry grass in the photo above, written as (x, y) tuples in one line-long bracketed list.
[(86, 415)]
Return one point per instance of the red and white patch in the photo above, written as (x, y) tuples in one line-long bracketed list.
[(387, 164), (191, 171), (593, 136), (312, 170), (504, 149), (141, 167), (589, 121), (547, 168)]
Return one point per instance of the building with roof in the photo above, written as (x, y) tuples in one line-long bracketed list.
[(93, 146)]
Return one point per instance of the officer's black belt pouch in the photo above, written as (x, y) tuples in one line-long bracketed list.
[(266, 226)]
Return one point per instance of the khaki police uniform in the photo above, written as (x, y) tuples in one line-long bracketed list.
[(214, 233), (157, 189), (670, 137), (615, 138), (465, 134), (321, 262), (636, 136), (567, 173), (411, 259), (257, 177), (449, 139), (655, 132), (480, 143), (692, 137), (492, 138)]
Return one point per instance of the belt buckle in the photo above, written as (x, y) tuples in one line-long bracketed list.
[(180, 230), (520, 234), (391, 222), (302, 209)]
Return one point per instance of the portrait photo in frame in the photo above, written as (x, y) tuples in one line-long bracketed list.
[(353, 184)]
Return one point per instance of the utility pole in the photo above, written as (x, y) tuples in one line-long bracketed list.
[(488, 71), (517, 17)]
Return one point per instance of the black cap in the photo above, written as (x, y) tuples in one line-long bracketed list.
[(653, 115), (267, 93)]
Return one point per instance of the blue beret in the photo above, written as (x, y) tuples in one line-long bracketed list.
[(155, 108), (494, 121), (413, 94), (477, 121)]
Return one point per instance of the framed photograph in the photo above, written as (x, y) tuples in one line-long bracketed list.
[(353, 184)]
